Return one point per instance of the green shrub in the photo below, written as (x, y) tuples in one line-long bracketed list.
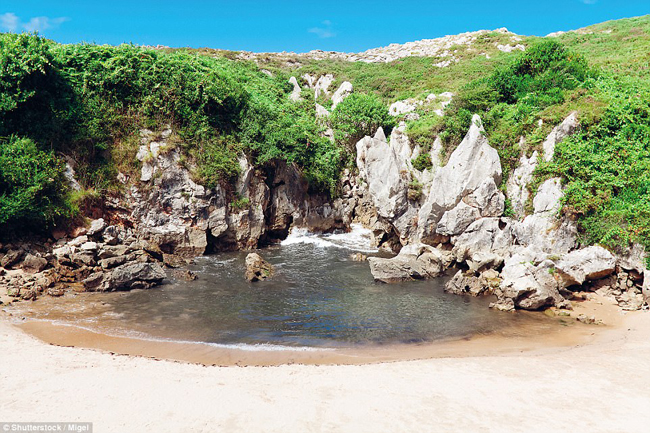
[(512, 99), (422, 162), (606, 169), (32, 185), (360, 115)]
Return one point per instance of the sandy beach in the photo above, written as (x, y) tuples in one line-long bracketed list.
[(601, 385)]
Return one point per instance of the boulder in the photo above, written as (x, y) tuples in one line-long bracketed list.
[(529, 286), (55, 292), (586, 264), (33, 264), (96, 227), (414, 262), (135, 276), (184, 274), (12, 258), (174, 261), (469, 283), (257, 269), (358, 257), (94, 281)]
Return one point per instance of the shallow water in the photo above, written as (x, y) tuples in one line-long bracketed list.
[(319, 297)]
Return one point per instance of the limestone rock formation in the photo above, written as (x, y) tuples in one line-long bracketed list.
[(414, 262), (322, 85), (344, 90), (559, 133), (296, 92), (586, 264), (470, 165), (380, 166)]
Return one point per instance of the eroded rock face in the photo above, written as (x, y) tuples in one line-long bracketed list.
[(381, 168), (544, 230), (257, 269), (472, 164)]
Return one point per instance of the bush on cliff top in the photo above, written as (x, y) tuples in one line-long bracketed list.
[(89, 101)]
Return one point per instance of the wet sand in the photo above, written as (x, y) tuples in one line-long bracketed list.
[(533, 336)]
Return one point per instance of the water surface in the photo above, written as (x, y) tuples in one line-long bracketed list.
[(318, 298)]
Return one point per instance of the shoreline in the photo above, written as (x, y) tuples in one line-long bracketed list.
[(597, 386), (528, 340)]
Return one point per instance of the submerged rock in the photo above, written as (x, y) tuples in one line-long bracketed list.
[(257, 269)]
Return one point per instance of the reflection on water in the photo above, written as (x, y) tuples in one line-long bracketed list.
[(317, 297)]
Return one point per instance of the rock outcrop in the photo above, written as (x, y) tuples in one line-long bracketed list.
[(414, 262), (344, 90), (471, 166), (257, 269)]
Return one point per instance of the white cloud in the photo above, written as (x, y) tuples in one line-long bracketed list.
[(324, 32), (9, 22)]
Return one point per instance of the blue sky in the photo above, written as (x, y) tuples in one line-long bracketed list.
[(298, 25)]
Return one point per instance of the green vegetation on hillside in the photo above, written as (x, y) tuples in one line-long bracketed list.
[(510, 100), (89, 102), (31, 184), (606, 168)]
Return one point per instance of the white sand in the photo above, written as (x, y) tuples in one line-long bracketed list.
[(600, 387)]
